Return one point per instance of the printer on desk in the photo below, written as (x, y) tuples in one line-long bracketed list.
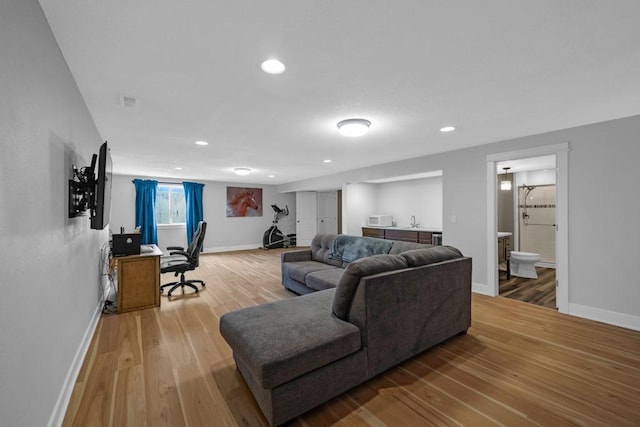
[(125, 244)]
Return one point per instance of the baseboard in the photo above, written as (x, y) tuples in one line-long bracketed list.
[(546, 264), (481, 288), (605, 316), (59, 411), (230, 248)]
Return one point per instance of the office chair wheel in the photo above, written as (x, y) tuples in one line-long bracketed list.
[(182, 285)]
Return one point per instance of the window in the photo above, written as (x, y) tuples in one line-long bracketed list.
[(170, 205)]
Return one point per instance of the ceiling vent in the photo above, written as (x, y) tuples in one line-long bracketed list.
[(129, 102)]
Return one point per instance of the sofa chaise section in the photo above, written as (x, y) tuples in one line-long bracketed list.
[(297, 353), (293, 356)]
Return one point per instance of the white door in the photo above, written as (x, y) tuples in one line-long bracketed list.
[(306, 217), (328, 213)]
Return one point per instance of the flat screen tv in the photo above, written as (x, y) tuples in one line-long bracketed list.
[(101, 211)]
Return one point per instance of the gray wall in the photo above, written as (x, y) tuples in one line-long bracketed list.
[(603, 205), (50, 264), (421, 198), (400, 199), (222, 233), (358, 201), (49, 290)]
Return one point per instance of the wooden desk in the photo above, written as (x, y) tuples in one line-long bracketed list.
[(138, 281)]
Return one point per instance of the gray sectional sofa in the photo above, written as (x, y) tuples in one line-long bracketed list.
[(297, 353), (320, 267)]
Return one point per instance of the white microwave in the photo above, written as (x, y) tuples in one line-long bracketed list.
[(380, 220)]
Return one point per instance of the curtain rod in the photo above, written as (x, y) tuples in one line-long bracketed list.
[(172, 183), (166, 182), (159, 182)]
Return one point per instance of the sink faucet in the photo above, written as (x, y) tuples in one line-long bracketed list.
[(413, 222)]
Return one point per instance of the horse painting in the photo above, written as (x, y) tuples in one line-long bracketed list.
[(244, 201)]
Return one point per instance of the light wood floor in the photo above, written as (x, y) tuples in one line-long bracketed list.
[(519, 364)]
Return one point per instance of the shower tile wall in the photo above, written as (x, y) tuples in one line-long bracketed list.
[(539, 235)]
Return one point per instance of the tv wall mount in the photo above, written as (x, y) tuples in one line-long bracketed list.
[(82, 190)]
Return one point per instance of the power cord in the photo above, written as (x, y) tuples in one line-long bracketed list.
[(108, 289), (109, 307)]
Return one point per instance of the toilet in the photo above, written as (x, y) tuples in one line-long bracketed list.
[(523, 264)]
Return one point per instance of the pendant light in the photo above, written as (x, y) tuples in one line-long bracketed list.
[(505, 184)]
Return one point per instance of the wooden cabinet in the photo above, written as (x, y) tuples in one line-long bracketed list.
[(425, 237), (504, 248), (138, 281), (414, 236), (504, 253), (402, 235), (373, 232)]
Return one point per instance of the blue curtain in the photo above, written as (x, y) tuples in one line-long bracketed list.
[(193, 200), (146, 210)]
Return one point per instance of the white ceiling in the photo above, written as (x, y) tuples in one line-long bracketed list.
[(495, 69)]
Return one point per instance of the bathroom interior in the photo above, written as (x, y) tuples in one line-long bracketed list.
[(526, 215)]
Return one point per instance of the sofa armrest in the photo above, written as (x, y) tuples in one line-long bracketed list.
[(296, 256), (404, 312)]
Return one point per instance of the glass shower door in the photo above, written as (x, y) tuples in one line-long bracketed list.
[(537, 221)]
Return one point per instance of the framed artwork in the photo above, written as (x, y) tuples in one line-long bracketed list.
[(242, 201)]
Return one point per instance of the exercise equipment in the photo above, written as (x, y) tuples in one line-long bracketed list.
[(273, 237)]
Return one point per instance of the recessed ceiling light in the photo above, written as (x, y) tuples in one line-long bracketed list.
[(242, 171), (270, 176), (354, 127), (178, 168), (272, 66), (327, 161), (447, 129), (202, 143)]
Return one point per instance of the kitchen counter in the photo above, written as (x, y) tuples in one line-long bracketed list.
[(429, 229), (407, 234)]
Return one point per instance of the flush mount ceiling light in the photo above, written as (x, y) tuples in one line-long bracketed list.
[(202, 143), (354, 127), (505, 184), (327, 161), (272, 66), (447, 129), (242, 171)]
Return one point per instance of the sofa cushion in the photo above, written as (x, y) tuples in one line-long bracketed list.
[(324, 279), (400, 246), (299, 270), (431, 255), (321, 245), (355, 271), (282, 340)]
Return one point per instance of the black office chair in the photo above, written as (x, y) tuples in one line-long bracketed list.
[(180, 261)]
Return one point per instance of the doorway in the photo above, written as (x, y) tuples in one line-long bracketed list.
[(316, 212), (328, 212), (526, 221), (561, 279)]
